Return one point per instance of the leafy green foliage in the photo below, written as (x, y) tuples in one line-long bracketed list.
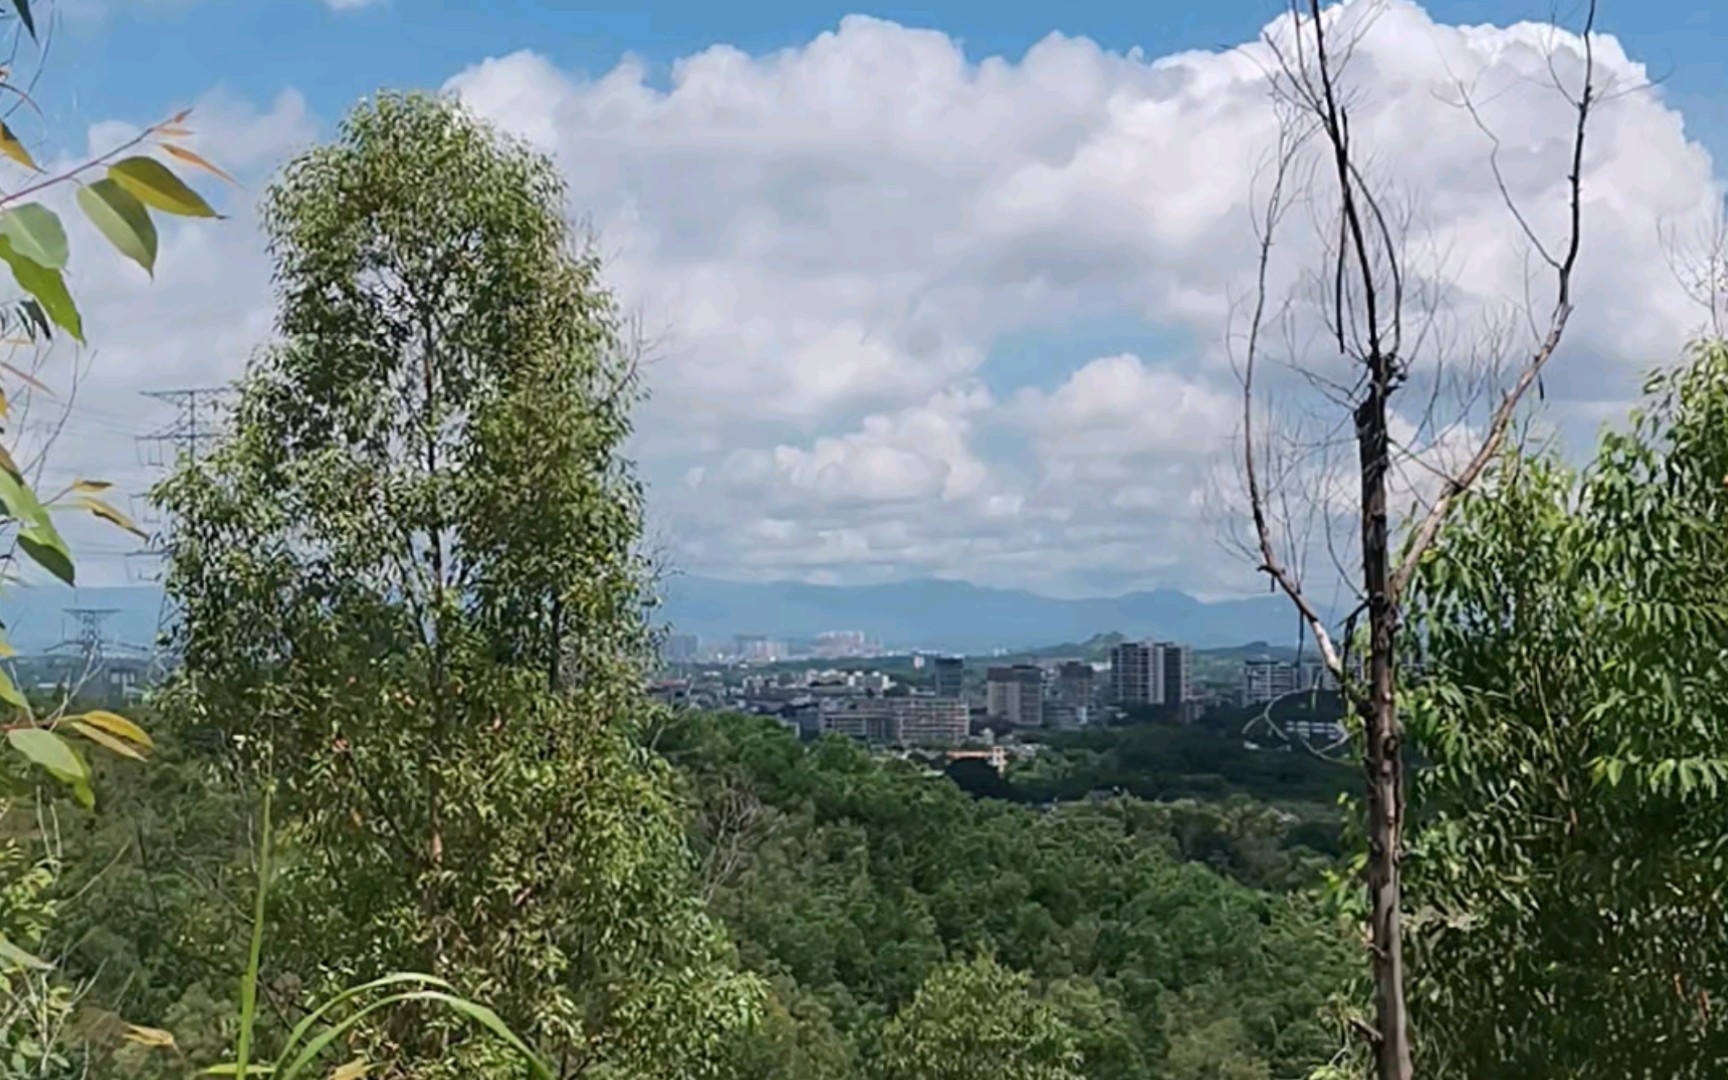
[(978, 1021), (1567, 907), (322, 1028), (410, 597), (848, 882)]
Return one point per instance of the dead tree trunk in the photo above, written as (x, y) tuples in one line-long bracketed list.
[(1365, 313), (1382, 759)]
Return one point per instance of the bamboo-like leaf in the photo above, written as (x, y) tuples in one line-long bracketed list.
[(36, 234), (48, 288), (7, 463), (50, 751), (115, 724), (103, 739), (197, 161), (117, 212), (155, 185), (398, 978), (109, 514), (480, 1014), (14, 149), (90, 487)]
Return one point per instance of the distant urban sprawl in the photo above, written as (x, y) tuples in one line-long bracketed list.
[(845, 683)]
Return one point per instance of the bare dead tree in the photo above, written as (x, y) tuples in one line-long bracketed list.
[(1374, 319)]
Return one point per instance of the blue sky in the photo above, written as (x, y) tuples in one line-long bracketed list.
[(922, 317), (154, 52)]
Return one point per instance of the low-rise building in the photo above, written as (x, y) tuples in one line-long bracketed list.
[(916, 720)]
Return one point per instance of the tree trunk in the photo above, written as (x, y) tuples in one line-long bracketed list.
[(1383, 758)]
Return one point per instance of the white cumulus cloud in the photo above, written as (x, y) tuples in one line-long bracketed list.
[(831, 243)]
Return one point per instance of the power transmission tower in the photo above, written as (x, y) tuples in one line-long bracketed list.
[(201, 418), (90, 642)]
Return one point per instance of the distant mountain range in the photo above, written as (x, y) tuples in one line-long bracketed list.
[(926, 614), (957, 616)]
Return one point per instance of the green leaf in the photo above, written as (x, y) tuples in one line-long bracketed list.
[(47, 286), (36, 535), (394, 979), (36, 234), (155, 185), (479, 1013), (122, 219), (51, 555), (50, 751)]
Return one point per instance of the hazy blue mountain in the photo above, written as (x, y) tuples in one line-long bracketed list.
[(925, 614), (954, 615)]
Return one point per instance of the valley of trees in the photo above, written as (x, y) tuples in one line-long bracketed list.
[(405, 809)]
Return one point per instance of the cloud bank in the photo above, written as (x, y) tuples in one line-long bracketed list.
[(832, 247)]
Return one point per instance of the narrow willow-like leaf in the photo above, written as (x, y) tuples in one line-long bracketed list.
[(103, 739), (115, 724), (108, 513), (196, 161)]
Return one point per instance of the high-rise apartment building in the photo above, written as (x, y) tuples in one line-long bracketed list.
[(1131, 673), (1015, 694), (950, 677), (680, 648), (1075, 684), (1151, 673), (1175, 674)]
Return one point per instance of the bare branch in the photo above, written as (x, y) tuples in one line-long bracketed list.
[(1423, 536), (1270, 564)]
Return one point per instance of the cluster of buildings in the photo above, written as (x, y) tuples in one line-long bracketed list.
[(681, 649), (945, 703), (1266, 680)]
